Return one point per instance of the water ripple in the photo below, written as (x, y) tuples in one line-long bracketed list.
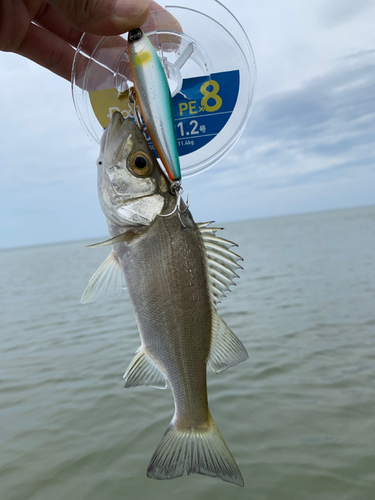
[(298, 415)]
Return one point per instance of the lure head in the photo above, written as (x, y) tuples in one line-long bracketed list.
[(135, 35), (140, 49), (131, 186), (137, 41)]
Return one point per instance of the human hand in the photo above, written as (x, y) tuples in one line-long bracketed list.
[(47, 31)]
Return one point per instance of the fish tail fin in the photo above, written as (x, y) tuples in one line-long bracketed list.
[(196, 450)]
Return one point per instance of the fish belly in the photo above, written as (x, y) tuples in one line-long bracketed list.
[(167, 282)]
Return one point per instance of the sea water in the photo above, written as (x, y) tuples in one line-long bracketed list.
[(298, 416)]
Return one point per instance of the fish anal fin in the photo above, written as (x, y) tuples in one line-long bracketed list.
[(226, 349), (106, 282), (196, 451), (143, 371)]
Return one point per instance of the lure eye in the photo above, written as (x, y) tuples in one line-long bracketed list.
[(135, 35), (140, 164)]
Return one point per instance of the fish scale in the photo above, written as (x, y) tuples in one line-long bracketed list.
[(179, 345)]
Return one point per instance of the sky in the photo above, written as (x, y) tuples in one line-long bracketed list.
[(308, 145)]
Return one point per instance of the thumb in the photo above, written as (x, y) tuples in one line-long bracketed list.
[(103, 17)]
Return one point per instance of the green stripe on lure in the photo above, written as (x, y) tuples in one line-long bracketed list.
[(154, 99)]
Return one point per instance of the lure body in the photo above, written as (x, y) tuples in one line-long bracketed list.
[(154, 99)]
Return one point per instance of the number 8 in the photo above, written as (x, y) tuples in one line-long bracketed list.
[(213, 94)]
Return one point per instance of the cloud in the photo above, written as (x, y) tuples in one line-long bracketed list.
[(337, 12), (48, 170), (309, 144), (307, 149), (310, 148), (324, 128)]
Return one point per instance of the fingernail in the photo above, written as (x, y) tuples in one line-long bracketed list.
[(131, 9)]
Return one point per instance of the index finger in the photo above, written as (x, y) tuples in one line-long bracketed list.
[(51, 41)]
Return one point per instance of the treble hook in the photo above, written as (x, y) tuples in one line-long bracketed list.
[(176, 189), (133, 104)]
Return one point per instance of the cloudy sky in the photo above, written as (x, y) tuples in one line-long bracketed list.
[(308, 146)]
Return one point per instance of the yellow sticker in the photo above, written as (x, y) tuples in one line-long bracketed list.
[(105, 102)]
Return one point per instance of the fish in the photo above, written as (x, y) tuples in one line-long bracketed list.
[(176, 272), (154, 99)]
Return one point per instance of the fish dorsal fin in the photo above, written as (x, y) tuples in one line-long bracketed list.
[(105, 283), (226, 349), (143, 371), (222, 263)]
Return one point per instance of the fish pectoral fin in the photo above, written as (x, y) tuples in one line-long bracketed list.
[(105, 283), (143, 371), (226, 349), (116, 239)]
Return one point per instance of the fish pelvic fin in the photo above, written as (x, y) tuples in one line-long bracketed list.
[(143, 371), (196, 451), (226, 348)]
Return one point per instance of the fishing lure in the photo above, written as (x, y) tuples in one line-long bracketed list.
[(155, 101)]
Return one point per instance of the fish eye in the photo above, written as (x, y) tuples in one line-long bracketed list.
[(140, 164)]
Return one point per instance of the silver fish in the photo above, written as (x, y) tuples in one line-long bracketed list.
[(176, 271)]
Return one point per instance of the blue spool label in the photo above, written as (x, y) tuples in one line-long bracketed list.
[(202, 108)]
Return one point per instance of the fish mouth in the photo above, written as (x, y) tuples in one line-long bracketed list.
[(122, 200)]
